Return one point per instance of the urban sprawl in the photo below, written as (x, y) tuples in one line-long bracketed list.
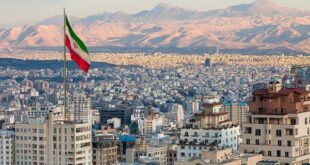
[(157, 109)]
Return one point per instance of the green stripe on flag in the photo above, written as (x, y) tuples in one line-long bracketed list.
[(76, 38)]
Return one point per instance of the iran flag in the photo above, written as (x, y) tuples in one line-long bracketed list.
[(78, 50)]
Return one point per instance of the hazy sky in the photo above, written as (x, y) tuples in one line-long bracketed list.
[(15, 12)]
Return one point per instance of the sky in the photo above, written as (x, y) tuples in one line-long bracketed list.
[(18, 12)]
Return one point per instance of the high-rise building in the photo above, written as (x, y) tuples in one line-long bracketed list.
[(53, 140), (192, 106), (137, 117), (40, 110), (126, 142), (208, 130), (279, 126), (7, 147), (79, 108), (176, 114), (171, 155), (237, 111), (151, 122), (104, 151)]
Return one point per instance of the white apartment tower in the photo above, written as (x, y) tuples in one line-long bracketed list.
[(208, 130)]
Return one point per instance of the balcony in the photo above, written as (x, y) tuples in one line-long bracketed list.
[(289, 132)]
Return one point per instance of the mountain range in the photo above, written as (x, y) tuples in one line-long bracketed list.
[(262, 27)]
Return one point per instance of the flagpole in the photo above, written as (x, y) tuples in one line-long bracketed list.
[(65, 67)]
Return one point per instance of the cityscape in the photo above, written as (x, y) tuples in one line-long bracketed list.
[(140, 105)]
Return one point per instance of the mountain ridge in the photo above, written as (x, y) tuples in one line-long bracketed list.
[(262, 25)]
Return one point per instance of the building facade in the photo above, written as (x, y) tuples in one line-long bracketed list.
[(154, 153), (279, 126), (237, 111), (208, 130), (104, 151), (7, 147), (79, 108), (53, 141)]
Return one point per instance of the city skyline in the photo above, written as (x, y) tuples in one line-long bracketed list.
[(31, 12), (163, 82)]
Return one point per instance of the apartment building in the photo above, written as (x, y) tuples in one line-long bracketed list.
[(208, 130), (237, 111), (175, 114), (54, 141), (223, 157), (142, 150), (279, 126), (104, 151), (151, 122), (7, 146), (40, 110), (79, 108)]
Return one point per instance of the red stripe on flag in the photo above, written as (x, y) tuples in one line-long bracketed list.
[(82, 64)]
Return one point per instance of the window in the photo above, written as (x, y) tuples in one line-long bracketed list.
[(248, 130), (257, 132), (286, 154), (293, 122), (279, 143), (186, 134), (278, 153), (306, 120), (289, 143), (278, 133), (248, 141), (269, 153), (257, 142)]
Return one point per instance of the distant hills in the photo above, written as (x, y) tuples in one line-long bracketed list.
[(261, 27)]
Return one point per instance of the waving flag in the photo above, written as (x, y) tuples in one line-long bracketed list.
[(78, 50)]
